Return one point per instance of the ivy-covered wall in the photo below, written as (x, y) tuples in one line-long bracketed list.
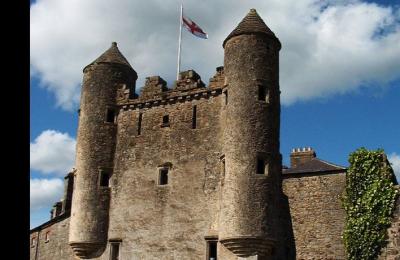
[(369, 201), (392, 250)]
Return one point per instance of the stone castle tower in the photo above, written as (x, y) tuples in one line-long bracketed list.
[(250, 140), (192, 171), (95, 149)]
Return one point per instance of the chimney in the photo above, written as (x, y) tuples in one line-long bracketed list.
[(300, 156), (68, 189)]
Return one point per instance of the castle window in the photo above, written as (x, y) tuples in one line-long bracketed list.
[(140, 124), (132, 88), (226, 97), (163, 177), (47, 237), (263, 94), (260, 166), (223, 167), (114, 250), (212, 249), (165, 121), (110, 115), (104, 178), (194, 117), (33, 242)]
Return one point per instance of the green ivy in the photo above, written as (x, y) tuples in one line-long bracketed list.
[(369, 201)]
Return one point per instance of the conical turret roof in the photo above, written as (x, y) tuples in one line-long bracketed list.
[(112, 55), (251, 24)]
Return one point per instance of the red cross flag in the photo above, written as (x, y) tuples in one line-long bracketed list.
[(193, 28)]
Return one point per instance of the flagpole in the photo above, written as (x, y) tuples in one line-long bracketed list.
[(179, 43)]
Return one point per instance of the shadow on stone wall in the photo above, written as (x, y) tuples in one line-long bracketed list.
[(287, 249)]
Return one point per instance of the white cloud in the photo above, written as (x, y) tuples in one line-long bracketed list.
[(328, 47), (45, 192), (52, 152), (394, 160)]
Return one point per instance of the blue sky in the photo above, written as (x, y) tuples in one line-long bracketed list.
[(340, 83)]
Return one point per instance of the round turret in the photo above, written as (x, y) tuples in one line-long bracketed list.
[(95, 150), (251, 139)]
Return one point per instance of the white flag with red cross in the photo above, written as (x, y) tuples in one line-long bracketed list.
[(193, 28)]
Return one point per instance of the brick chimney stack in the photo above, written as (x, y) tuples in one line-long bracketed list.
[(300, 156)]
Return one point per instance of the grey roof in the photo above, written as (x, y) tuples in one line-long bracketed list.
[(251, 23), (112, 55), (315, 165)]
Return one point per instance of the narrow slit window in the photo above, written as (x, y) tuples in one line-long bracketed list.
[(226, 97), (163, 178), (165, 120), (47, 236), (114, 251), (104, 179), (212, 250), (260, 166), (139, 131), (194, 117), (110, 115)]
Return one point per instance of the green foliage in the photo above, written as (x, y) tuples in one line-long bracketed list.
[(369, 201)]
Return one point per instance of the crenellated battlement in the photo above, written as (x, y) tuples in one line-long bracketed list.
[(155, 91)]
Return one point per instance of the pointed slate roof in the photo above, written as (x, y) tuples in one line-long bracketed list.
[(313, 166), (112, 55), (251, 23)]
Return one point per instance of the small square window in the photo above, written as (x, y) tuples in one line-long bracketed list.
[(163, 178)]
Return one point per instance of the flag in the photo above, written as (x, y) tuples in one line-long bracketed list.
[(193, 28)]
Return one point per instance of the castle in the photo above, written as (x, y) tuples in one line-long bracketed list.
[(194, 171)]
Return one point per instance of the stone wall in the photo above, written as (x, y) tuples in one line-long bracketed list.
[(167, 221), (317, 215), (392, 250), (56, 246)]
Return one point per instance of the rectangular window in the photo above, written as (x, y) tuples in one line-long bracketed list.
[(104, 178), (110, 115), (140, 124), (261, 93), (33, 242), (165, 121), (47, 236), (114, 251), (212, 250), (260, 166), (132, 88), (194, 117), (226, 97), (163, 178)]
